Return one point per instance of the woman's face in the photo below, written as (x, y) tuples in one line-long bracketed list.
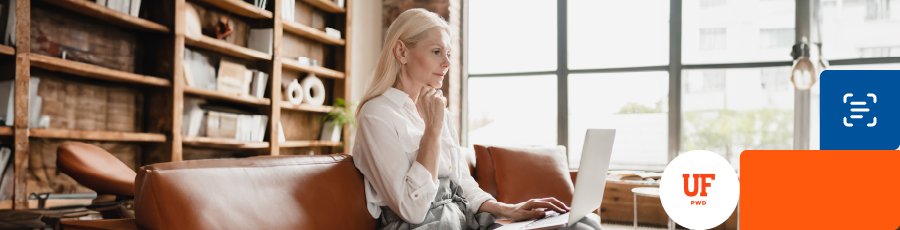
[(429, 60)]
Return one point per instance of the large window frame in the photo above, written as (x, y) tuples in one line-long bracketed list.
[(805, 9)]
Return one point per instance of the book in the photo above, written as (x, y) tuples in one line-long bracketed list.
[(261, 40), (7, 97), (202, 68), (6, 180), (258, 86), (135, 7), (192, 116), (5, 155), (231, 77), (248, 81), (10, 38), (123, 6), (287, 7), (221, 125)]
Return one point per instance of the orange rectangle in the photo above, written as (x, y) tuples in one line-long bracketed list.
[(820, 189)]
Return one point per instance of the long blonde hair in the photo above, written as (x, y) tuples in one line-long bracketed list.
[(409, 27)]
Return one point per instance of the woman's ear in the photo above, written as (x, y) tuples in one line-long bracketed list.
[(400, 51)]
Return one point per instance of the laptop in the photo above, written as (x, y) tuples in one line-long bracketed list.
[(589, 184)]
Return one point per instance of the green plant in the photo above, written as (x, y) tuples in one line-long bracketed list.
[(340, 115)]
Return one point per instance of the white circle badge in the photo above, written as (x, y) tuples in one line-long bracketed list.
[(699, 189)]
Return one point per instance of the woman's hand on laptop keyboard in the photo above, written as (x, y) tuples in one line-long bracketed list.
[(534, 208)]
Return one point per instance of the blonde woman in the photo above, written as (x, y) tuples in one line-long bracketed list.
[(415, 175)]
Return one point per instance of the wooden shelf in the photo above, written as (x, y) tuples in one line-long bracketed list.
[(212, 94), (294, 144), (6, 204), (6, 131), (91, 9), (306, 107), (326, 5), (318, 70), (222, 143), (93, 71), (97, 135), (311, 33), (7, 50), (240, 7), (226, 48)]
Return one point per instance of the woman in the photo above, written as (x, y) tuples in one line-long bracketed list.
[(415, 175)]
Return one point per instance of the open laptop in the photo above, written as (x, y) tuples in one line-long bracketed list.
[(589, 184)]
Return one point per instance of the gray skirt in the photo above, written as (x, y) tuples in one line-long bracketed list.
[(450, 211)]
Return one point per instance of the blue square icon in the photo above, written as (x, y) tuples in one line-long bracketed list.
[(859, 110)]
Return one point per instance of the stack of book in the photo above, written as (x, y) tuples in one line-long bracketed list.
[(258, 3), (203, 120), (287, 9), (231, 77), (131, 7)]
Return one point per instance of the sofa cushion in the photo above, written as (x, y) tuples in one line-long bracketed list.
[(272, 192), (484, 170), (523, 173)]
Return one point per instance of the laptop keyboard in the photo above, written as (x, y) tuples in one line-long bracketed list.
[(550, 217)]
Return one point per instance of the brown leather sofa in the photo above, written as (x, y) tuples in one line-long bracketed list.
[(305, 192)]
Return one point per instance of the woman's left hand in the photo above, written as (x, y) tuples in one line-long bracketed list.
[(534, 208)]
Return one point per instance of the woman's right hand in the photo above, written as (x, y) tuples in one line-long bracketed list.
[(431, 105)]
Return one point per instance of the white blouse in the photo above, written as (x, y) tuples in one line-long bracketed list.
[(387, 142)]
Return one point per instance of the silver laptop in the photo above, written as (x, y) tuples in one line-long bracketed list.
[(589, 184)]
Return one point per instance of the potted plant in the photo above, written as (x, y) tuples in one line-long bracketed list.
[(334, 120)]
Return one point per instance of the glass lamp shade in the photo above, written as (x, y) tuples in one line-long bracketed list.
[(803, 74)]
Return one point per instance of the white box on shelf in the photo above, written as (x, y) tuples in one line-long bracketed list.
[(261, 40)]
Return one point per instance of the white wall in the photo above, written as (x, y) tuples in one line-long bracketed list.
[(365, 43)]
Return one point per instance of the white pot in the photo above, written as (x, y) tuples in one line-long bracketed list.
[(330, 132)]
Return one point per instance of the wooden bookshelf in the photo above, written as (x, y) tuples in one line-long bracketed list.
[(311, 33), (6, 130), (7, 50), (232, 97), (327, 5), (295, 65), (160, 89), (92, 9), (222, 143), (225, 48), (97, 135), (93, 71), (293, 144), (240, 7), (306, 107)]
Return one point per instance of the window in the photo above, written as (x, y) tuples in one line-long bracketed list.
[(777, 38), (614, 72), (712, 39), (737, 31), (743, 114), (877, 10), (496, 44), (635, 104), (503, 115), (598, 39), (859, 29)]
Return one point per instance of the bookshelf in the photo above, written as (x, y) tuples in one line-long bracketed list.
[(154, 73)]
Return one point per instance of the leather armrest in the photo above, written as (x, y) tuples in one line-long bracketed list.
[(113, 224)]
